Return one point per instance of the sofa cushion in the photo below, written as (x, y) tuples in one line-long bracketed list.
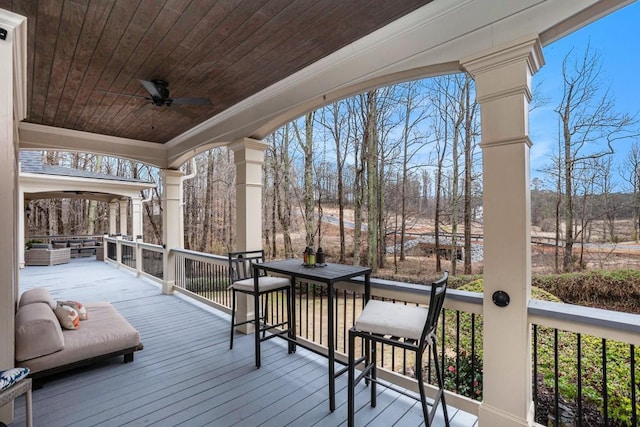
[(41, 246), (12, 376), (75, 244), (59, 245), (37, 295), (89, 243), (67, 316), (38, 332)]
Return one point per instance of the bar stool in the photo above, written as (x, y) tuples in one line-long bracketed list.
[(398, 325), (242, 280), (18, 389)]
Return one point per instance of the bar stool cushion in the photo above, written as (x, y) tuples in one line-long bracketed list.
[(265, 283), (12, 376), (386, 318)]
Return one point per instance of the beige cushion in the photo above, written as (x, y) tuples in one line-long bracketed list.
[(38, 332), (37, 295), (265, 283), (386, 318)]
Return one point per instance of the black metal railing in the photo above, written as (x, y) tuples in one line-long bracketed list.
[(112, 251), (583, 380), (152, 262), (204, 275), (128, 255)]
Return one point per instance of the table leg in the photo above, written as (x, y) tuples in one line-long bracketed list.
[(256, 318), (29, 408), (330, 345), (292, 311)]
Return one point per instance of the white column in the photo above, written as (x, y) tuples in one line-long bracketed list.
[(503, 80), (136, 217), (113, 211), (12, 94), (172, 235), (22, 227), (124, 216), (248, 155)]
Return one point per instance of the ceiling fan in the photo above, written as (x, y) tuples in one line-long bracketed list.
[(159, 95)]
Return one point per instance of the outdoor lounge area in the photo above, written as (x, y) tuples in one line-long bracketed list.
[(186, 373)]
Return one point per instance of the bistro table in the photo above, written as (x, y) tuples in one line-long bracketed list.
[(329, 274)]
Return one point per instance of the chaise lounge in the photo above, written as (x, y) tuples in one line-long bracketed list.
[(46, 348)]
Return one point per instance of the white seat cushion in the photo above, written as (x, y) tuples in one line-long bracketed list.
[(386, 318), (265, 283)]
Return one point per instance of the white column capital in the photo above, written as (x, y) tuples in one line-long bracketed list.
[(508, 68), (248, 155), (248, 143), (171, 173)]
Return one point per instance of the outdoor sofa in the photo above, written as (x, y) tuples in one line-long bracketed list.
[(47, 256), (79, 247)]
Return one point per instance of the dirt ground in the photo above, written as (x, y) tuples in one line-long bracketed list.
[(595, 255)]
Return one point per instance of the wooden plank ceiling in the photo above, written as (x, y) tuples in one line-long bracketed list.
[(223, 50)]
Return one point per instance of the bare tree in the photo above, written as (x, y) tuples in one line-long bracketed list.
[(590, 127)]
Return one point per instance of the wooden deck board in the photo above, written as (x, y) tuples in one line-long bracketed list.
[(186, 374)]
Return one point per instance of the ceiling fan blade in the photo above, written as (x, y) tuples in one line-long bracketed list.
[(145, 108), (192, 101), (186, 113), (122, 94), (151, 88)]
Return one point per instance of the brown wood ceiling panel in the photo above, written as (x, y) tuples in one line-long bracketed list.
[(71, 20), (96, 18), (167, 40), (224, 50)]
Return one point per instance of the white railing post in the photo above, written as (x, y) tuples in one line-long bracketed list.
[(118, 251), (138, 249)]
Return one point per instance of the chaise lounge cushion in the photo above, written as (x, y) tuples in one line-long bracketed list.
[(38, 332), (37, 295)]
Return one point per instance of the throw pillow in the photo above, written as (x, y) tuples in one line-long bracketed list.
[(81, 309), (12, 376), (67, 316), (60, 245)]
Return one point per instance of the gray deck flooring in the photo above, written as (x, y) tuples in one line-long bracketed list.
[(186, 374)]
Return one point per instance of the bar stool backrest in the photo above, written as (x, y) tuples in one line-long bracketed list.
[(436, 301), (241, 264)]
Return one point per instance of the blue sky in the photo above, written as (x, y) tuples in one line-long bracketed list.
[(617, 38)]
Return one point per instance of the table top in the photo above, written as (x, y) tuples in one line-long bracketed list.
[(328, 273)]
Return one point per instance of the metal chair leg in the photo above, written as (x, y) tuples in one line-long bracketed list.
[(421, 388), (440, 379), (233, 317), (373, 373), (256, 317), (351, 381)]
